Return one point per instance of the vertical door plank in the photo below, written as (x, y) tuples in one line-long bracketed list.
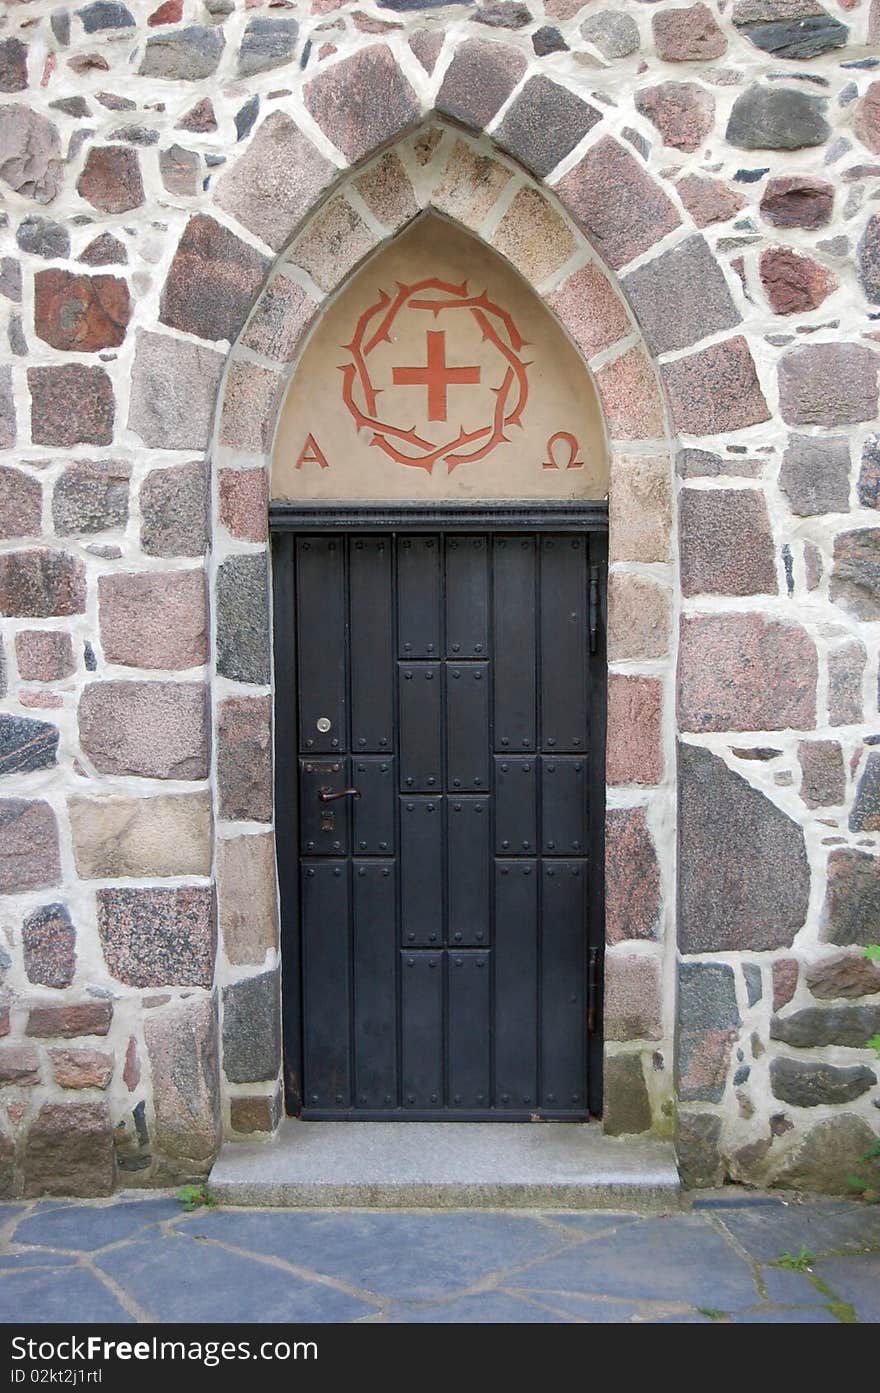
[(422, 1014), (514, 643), (564, 599), (321, 630), (375, 986), (326, 963), (372, 637), (469, 1030), (563, 986)]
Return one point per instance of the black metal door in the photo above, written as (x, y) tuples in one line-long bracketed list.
[(440, 727)]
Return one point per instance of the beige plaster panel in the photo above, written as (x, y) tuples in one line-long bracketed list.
[(505, 380)]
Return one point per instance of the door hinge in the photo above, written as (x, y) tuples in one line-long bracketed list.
[(592, 988), (594, 608)]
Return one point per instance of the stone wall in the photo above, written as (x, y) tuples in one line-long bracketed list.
[(692, 191)]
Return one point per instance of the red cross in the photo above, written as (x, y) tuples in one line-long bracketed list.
[(436, 376)]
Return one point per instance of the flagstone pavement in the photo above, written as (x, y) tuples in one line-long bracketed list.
[(140, 1259)]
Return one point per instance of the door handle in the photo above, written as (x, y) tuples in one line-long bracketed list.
[(325, 796)]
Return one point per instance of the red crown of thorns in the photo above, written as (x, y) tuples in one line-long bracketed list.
[(497, 327)]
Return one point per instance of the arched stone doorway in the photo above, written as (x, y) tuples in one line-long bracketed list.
[(463, 180)]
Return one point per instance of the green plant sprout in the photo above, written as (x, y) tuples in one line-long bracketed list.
[(803, 1262), (195, 1197)]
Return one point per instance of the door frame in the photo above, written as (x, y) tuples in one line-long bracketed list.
[(287, 520)]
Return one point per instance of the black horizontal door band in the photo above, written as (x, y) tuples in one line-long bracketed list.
[(530, 516)]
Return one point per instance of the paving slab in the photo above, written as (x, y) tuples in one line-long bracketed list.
[(66, 1296), (489, 1308), (821, 1226), (77, 1228), (857, 1280)]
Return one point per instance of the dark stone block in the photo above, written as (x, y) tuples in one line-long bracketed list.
[(244, 758), (71, 404), (267, 43), (42, 237), (13, 66), (844, 975), (868, 260), (49, 942), (851, 912), (829, 1154), (754, 985), (810, 1085), (69, 1151), (744, 877), (174, 509), (865, 815), (183, 55), (478, 81), (726, 543), (21, 504), (91, 496), (802, 38), (105, 250), (246, 116), (29, 853), (697, 1145), (815, 475), (41, 584), (798, 200), (681, 296), (242, 600), (256, 1114), (343, 101), (158, 937), (547, 39), (827, 1025), (707, 1024), (627, 1106), (869, 473), (855, 580), (544, 125), (212, 282), (619, 204), (26, 745), (777, 118), (105, 14), (252, 1029)]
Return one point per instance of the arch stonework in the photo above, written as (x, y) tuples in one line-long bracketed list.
[(466, 181)]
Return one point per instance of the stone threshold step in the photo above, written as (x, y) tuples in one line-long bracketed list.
[(404, 1165)]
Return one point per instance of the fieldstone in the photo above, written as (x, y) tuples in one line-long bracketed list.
[(827, 1025), (534, 237), (708, 200), (342, 100), (157, 730), (267, 43), (250, 405), (26, 745), (247, 897), (865, 815), (868, 260), (635, 742), (715, 390), (846, 664), (777, 118), (785, 980), (81, 1068), (173, 392), (503, 14), (638, 618), (682, 112), (544, 124), (426, 45), (184, 55), (478, 81), (621, 207), (154, 619), (640, 509), (867, 119), (30, 153), (793, 31), (754, 983), (168, 13), (41, 584), (627, 1107), (687, 35), (258, 1114), (815, 474), (7, 409), (141, 836), (111, 179), (869, 473), (70, 1020), (792, 283), (180, 171), (174, 511), (387, 192), (212, 282), (698, 1138), (810, 1085), (21, 504), (681, 296), (104, 250), (797, 200), (282, 316), (10, 279), (71, 404), (246, 116), (69, 1151), (592, 312), (726, 542), (183, 1048), (158, 937), (845, 975), (336, 240), (244, 758), (632, 877), (42, 237), (252, 1029), (708, 1019), (242, 604), (276, 181), (828, 1155), (851, 911), (614, 35), (824, 777), (199, 119), (745, 672), (633, 1009), (44, 655), (29, 854), (19, 1065), (91, 496), (744, 877), (13, 66), (80, 314), (244, 503), (105, 14), (855, 581)]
